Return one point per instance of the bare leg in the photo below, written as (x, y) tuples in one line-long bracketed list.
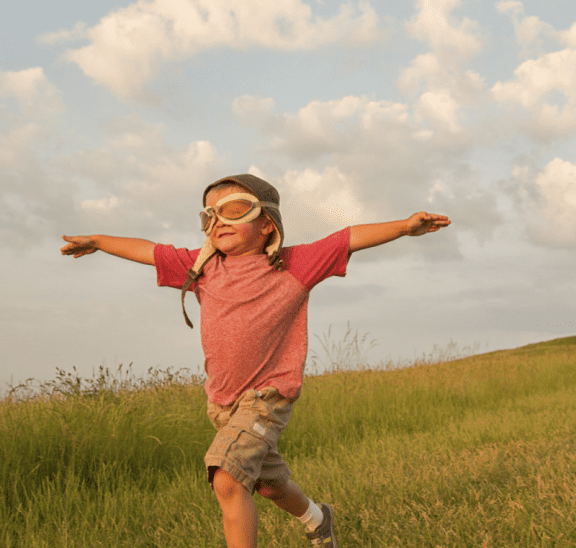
[(238, 509), (289, 497)]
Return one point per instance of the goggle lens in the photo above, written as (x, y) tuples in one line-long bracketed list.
[(204, 220), (236, 209)]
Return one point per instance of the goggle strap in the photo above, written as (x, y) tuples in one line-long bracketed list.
[(266, 204)]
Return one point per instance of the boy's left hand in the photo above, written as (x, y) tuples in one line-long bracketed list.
[(422, 223)]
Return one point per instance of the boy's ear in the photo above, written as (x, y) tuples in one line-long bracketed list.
[(267, 226)]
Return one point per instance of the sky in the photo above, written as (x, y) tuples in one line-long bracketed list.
[(114, 117)]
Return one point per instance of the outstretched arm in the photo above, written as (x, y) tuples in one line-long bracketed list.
[(363, 236), (133, 249)]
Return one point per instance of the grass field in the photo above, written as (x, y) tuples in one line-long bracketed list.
[(476, 452)]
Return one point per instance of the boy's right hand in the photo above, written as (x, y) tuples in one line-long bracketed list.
[(78, 246)]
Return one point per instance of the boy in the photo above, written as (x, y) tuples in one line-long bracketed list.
[(253, 296)]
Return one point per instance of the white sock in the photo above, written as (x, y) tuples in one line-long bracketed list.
[(313, 517)]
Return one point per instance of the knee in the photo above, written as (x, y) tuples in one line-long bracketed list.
[(271, 492), (225, 486), (266, 491)]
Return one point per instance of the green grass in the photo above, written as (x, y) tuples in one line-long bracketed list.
[(479, 451)]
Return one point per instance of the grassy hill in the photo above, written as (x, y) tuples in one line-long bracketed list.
[(479, 451)]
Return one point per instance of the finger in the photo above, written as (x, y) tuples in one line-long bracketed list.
[(71, 250)]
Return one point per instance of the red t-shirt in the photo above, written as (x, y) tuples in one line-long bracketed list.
[(253, 319)]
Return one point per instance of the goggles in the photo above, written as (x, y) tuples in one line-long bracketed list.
[(232, 210)]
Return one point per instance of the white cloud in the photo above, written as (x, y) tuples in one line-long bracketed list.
[(544, 85), (144, 179), (377, 162), (134, 180), (546, 200), (128, 46), (30, 106), (435, 24), (426, 66), (36, 96), (375, 111), (433, 73), (557, 184), (440, 108), (106, 206), (568, 37), (321, 127), (75, 33), (438, 187), (533, 87), (440, 75), (316, 203), (509, 5), (534, 79), (16, 146), (340, 208), (529, 30)]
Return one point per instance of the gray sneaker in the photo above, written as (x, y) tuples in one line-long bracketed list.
[(323, 535)]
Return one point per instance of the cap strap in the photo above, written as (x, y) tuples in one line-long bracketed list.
[(275, 261), (191, 278)]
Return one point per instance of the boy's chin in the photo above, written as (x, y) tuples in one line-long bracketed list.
[(230, 250), (233, 252), (227, 249)]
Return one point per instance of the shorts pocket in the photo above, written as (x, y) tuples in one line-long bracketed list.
[(254, 422), (238, 452)]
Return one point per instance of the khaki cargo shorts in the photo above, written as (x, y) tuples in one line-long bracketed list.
[(246, 444)]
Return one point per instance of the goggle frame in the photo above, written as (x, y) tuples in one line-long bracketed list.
[(209, 214)]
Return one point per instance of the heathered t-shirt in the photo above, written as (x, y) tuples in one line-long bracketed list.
[(253, 319)]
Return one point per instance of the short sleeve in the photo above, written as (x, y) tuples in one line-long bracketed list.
[(172, 264), (313, 263)]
